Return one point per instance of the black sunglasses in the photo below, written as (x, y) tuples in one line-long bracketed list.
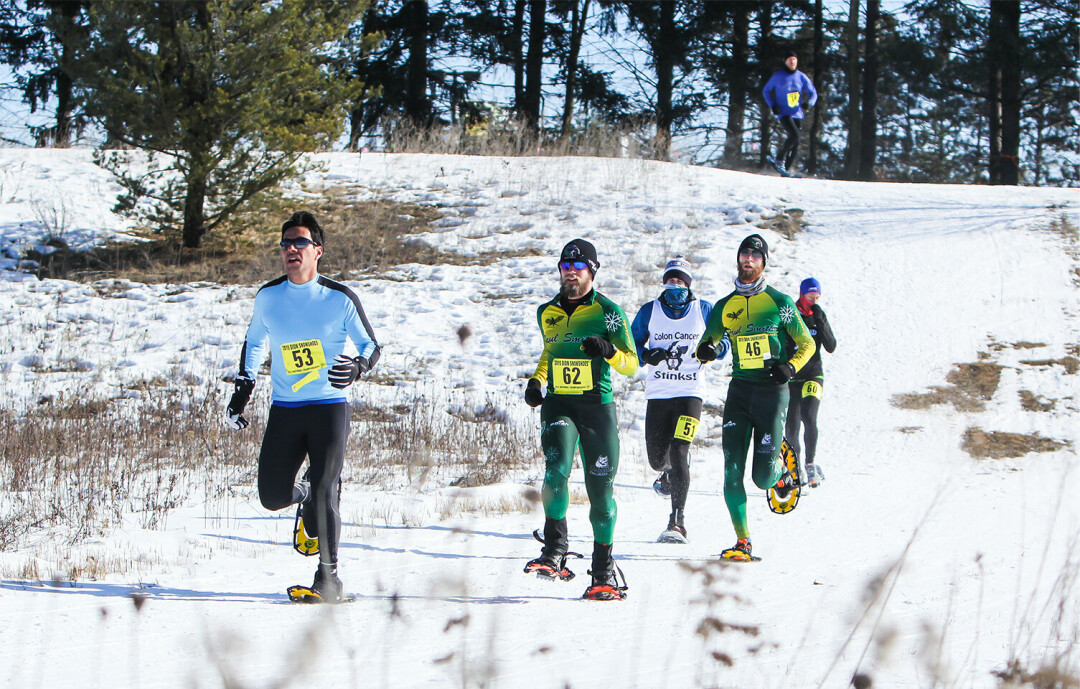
[(576, 265), (299, 242)]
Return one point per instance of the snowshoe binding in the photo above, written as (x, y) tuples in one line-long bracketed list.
[(784, 496), (780, 168), (551, 564), (662, 485), (305, 541), (814, 475), (675, 531), (605, 576), (740, 552), (326, 588)]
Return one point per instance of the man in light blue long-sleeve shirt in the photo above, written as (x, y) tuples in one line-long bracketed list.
[(786, 93), (305, 320)]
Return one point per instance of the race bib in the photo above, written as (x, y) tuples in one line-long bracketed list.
[(686, 428), (811, 388), (753, 350), (571, 376), (793, 99), (303, 357)]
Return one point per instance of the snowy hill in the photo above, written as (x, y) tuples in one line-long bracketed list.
[(916, 563)]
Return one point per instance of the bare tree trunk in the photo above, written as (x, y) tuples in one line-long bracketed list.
[(1010, 92), (356, 114), (740, 68), (517, 31), (67, 13), (818, 112), (577, 30), (854, 126), (534, 66), (763, 47), (194, 205), (1039, 115), (993, 95), (868, 139), (665, 79), (416, 105)]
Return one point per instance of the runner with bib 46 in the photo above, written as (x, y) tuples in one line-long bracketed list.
[(753, 318)]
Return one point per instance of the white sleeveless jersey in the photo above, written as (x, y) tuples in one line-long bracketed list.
[(680, 374)]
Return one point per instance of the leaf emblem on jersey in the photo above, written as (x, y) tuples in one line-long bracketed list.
[(787, 314), (734, 315), (553, 320), (613, 321)]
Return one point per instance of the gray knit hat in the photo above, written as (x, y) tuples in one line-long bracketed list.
[(678, 267)]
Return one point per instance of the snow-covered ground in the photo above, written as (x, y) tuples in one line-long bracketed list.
[(914, 563)]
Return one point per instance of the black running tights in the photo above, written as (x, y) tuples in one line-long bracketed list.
[(790, 148), (318, 431), (665, 450)]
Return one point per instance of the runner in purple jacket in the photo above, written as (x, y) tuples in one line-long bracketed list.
[(787, 92)]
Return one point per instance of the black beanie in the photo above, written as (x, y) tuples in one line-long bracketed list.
[(790, 53), (757, 243), (581, 250), (305, 219)]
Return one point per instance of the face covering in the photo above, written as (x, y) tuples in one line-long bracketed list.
[(676, 295)]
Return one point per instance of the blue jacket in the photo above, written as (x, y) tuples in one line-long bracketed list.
[(640, 327), (788, 91)]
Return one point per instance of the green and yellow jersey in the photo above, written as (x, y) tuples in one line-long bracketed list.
[(564, 367), (753, 325)]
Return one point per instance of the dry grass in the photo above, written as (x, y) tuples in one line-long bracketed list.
[(79, 467), (83, 465), (1029, 401), (1070, 363), (419, 439), (501, 136), (787, 221), (1000, 445), (972, 385), (1047, 677), (362, 238)]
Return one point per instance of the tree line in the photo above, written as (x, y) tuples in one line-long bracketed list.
[(224, 96)]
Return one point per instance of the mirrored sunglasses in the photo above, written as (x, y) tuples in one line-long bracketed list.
[(574, 265), (299, 242)]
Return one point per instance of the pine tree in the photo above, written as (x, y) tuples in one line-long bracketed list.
[(670, 31), (37, 40), (223, 96)]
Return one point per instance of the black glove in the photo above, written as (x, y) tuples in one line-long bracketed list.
[(345, 370), (706, 352), (781, 372), (534, 396), (594, 346), (653, 357), (776, 110), (234, 413)]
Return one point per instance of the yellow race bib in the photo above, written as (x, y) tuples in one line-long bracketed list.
[(811, 388), (686, 428), (753, 350), (793, 99), (571, 376), (303, 357)]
